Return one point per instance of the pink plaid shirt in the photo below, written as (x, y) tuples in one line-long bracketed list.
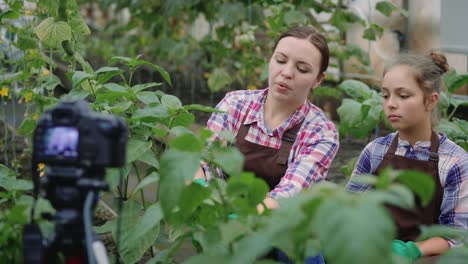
[(312, 152)]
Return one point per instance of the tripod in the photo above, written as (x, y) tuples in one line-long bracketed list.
[(73, 192)]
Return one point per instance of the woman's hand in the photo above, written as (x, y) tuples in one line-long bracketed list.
[(270, 204)]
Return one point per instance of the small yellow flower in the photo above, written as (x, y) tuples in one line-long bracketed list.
[(28, 97), (28, 12), (45, 72), (41, 169), (35, 116), (251, 87), (4, 91)]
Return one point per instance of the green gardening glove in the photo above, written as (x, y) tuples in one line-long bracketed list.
[(201, 182), (408, 250)]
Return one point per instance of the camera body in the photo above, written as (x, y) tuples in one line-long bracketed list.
[(71, 134)]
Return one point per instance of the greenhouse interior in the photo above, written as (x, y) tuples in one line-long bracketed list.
[(253, 131)]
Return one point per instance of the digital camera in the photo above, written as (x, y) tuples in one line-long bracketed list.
[(71, 134)]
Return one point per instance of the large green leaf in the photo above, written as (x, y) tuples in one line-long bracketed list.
[(136, 148), (113, 175), (184, 119), (420, 183), (151, 113), (77, 24), (142, 234), (106, 73), (152, 178), (202, 108), (175, 168), (187, 142), (171, 101), (349, 112), (230, 159), (247, 191), (9, 182), (373, 32), (53, 33), (356, 89), (80, 76), (352, 228), (148, 97), (149, 158)]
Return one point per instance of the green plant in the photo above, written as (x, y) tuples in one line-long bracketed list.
[(456, 129)]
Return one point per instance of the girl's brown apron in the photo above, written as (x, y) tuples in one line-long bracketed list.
[(267, 163), (408, 221)]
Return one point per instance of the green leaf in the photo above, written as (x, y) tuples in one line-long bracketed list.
[(175, 168), (184, 119), (351, 218), (420, 183), (294, 17), (150, 179), (202, 108), (9, 14), (163, 73), (136, 148), (171, 101), (443, 231), (453, 81), (147, 97), (53, 33), (349, 112), (149, 158), (373, 32), (140, 87), (191, 197), (27, 127), (247, 191), (106, 73), (356, 89), (80, 76), (52, 82), (218, 79), (385, 7), (77, 24), (10, 183), (230, 159), (76, 94), (151, 113), (115, 87), (186, 142)]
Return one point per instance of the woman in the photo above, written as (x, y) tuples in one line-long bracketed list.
[(410, 89), (285, 139)]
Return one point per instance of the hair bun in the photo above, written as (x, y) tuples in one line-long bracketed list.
[(440, 61)]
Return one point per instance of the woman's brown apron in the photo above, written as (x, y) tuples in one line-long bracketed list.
[(267, 163), (408, 221)]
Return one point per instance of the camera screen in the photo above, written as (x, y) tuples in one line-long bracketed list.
[(61, 141)]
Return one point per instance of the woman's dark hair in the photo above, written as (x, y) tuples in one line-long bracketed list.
[(428, 70), (314, 36)]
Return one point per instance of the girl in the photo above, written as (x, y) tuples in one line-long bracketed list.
[(410, 89)]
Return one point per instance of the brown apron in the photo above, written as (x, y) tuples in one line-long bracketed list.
[(408, 221), (267, 163)]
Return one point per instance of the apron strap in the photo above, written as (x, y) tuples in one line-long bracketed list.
[(433, 154), (287, 141)]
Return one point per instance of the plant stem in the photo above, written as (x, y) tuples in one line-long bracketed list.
[(141, 190)]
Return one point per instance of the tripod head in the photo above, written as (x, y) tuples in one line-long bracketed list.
[(76, 145)]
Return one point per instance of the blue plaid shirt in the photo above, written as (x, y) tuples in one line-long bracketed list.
[(453, 173)]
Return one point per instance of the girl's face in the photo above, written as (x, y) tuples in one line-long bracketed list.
[(403, 100), (294, 70)]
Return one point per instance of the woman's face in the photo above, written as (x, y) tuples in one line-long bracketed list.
[(294, 70), (403, 100)]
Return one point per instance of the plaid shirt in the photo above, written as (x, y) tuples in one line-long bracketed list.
[(312, 152), (453, 173)]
